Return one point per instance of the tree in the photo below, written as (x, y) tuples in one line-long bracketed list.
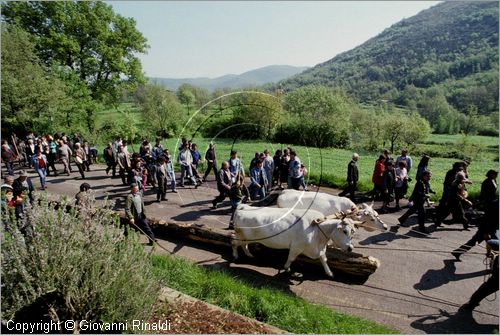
[(186, 96), (162, 111), (394, 125), (31, 98), (416, 130), (257, 113), (401, 129), (324, 114), (86, 37)]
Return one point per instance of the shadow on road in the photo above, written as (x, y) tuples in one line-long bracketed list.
[(435, 278), (461, 322), (199, 213)]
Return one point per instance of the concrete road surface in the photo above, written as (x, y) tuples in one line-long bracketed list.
[(417, 289)]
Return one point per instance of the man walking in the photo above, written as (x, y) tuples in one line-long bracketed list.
[(259, 182), (223, 184), (9, 157), (185, 159), (211, 161), (64, 154), (419, 197), (352, 177), (136, 215), (162, 178), (269, 168)]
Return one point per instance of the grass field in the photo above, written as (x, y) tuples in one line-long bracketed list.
[(456, 139), (328, 166), (114, 113), (262, 302)]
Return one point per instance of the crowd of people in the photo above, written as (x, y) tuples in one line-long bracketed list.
[(153, 166)]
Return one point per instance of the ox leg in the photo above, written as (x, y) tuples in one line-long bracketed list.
[(328, 272), (292, 255), (246, 251), (234, 245)]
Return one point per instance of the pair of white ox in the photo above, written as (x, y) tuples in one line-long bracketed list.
[(304, 223)]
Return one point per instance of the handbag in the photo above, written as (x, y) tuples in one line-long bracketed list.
[(78, 160)]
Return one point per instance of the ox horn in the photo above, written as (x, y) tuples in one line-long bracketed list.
[(317, 221)]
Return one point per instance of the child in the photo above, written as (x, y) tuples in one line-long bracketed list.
[(303, 172), (401, 184), (237, 194)]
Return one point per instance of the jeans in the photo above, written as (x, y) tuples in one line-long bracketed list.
[(10, 167), (258, 192), (186, 169), (42, 173), (171, 175)]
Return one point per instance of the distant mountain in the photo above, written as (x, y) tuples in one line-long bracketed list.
[(257, 77), (448, 53)]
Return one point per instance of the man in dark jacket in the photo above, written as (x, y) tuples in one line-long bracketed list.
[(24, 183), (419, 196), (388, 186), (488, 287), (109, 157), (223, 184), (488, 225), (352, 177), (211, 161)]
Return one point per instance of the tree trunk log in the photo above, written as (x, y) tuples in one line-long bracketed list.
[(346, 262)]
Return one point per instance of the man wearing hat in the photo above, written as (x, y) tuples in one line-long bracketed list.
[(134, 208), (24, 183)]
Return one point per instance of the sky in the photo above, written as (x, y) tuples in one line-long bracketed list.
[(213, 38)]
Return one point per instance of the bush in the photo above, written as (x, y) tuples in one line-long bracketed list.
[(62, 264)]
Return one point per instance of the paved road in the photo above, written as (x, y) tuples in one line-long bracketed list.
[(417, 289)]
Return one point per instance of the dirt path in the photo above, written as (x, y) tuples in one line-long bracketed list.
[(413, 291)]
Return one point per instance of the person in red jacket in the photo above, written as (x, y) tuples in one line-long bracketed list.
[(377, 177)]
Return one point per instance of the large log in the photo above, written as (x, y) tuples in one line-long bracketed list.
[(347, 262)]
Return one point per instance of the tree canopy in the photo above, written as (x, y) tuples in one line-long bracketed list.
[(87, 37)]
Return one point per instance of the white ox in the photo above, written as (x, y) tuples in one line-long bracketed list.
[(329, 204), (304, 232)]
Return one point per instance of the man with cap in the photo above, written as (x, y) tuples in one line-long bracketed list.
[(134, 208), (24, 183), (82, 197)]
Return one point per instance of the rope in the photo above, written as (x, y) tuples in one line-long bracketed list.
[(488, 262), (150, 239)]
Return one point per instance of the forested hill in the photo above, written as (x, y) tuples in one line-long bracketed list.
[(256, 77), (450, 49)]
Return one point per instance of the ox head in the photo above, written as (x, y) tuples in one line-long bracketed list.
[(342, 235), (369, 218)]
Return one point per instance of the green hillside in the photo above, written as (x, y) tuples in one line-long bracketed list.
[(441, 61)]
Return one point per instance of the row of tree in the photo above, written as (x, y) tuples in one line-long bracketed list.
[(314, 116)]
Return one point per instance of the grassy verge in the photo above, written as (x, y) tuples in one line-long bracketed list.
[(265, 304)]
